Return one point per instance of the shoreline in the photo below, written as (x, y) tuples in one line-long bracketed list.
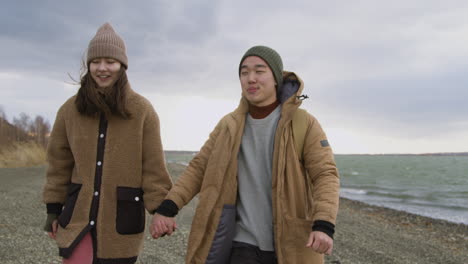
[(393, 212), (410, 214)]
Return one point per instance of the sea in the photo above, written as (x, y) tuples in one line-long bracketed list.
[(432, 186)]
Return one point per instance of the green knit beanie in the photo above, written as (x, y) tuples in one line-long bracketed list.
[(271, 57)]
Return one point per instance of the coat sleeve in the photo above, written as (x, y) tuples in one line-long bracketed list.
[(321, 168), (189, 183), (60, 163), (156, 180)]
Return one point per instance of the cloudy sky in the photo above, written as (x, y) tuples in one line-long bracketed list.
[(382, 76)]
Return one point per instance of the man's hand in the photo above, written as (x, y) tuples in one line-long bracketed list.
[(162, 225), (320, 242), (54, 230)]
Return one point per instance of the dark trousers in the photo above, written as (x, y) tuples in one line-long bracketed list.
[(243, 253)]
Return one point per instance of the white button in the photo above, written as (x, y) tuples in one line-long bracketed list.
[(99, 163), (91, 223), (96, 193), (101, 136), (137, 198)]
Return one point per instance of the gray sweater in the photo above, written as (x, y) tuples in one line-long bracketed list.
[(254, 224)]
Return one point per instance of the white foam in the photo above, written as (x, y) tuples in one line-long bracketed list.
[(352, 191)]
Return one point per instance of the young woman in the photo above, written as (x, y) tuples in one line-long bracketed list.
[(106, 162)]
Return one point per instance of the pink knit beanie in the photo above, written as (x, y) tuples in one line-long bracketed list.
[(107, 44)]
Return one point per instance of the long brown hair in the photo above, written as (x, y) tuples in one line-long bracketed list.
[(90, 101)]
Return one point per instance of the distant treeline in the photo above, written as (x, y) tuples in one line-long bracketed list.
[(23, 129)]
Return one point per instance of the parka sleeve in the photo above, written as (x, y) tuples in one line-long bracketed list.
[(321, 167), (156, 180), (189, 183), (60, 165)]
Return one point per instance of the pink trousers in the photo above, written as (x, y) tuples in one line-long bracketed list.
[(83, 253)]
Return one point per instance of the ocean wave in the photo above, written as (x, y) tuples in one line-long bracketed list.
[(352, 191)]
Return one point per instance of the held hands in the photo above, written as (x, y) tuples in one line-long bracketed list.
[(320, 242), (162, 225)]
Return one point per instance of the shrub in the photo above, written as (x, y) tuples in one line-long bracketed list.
[(22, 154)]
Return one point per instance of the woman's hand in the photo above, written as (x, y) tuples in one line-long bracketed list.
[(54, 229)]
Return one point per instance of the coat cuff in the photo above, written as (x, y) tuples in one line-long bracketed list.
[(167, 208), (325, 227), (54, 208)]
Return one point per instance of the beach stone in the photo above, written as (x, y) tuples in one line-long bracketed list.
[(364, 233)]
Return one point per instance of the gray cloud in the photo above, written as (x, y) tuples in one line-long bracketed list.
[(411, 106), (52, 36), (395, 67)]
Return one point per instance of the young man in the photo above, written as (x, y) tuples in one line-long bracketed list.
[(260, 201)]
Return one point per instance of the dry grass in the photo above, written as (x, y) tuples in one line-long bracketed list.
[(22, 154)]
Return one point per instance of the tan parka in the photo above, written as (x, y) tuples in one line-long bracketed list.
[(298, 198), (106, 173)]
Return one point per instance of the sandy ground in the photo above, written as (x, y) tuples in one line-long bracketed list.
[(365, 234)]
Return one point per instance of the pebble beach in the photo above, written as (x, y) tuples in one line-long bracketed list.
[(364, 233)]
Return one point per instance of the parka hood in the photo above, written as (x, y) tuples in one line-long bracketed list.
[(290, 87)]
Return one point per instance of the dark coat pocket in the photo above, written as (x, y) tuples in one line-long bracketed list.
[(130, 211), (220, 250), (72, 196)]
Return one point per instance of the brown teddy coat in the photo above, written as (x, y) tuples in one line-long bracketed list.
[(106, 173), (301, 192)]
